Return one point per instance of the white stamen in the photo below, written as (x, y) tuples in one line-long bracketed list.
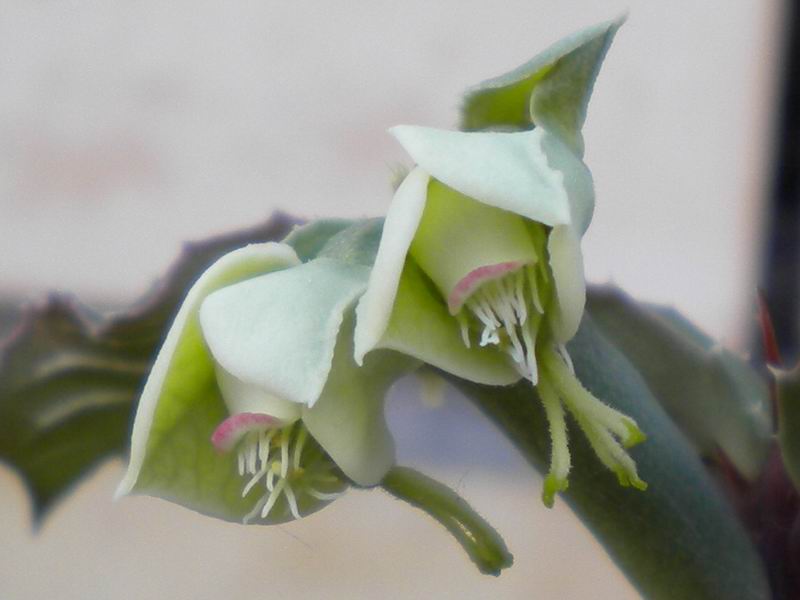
[(255, 479), (256, 509), (489, 335), (252, 453), (273, 498), (516, 351), (253, 458), (277, 469), (507, 304), (298, 447), (530, 345), (537, 303), (519, 299), (285, 452), (265, 444), (463, 323), (292, 500), (486, 305)]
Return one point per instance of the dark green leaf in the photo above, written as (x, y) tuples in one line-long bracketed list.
[(65, 397), (479, 539), (69, 379), (678, 539), (715, 397)]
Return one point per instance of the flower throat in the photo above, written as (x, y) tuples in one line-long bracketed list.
[(291, 467), (510, 311)]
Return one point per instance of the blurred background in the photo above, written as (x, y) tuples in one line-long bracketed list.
[(128, 128)]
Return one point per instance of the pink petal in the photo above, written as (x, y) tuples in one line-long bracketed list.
[(232, 429), (473, 280)]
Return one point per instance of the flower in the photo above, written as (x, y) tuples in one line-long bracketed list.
[(479, 273), (254, 409)]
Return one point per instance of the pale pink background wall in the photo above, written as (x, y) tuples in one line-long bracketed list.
[(126, 128)]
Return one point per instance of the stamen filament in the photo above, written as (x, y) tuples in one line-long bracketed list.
[(273, 498), (519, 298), (298, 447), (537, 302), (263, 471), (256, 509), (266, 444), (252, 452), (528, 335), (463, 324), (285, 452), (292, 500)]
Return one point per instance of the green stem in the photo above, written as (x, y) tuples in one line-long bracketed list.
[(479, 539)]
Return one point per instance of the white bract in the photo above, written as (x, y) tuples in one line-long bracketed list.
[(255, 410), (480, 273)]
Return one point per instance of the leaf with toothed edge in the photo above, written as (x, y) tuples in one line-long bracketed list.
[(69, 379), (66, 394)]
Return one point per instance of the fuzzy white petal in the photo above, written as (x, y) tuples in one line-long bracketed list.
[(402, 220), (576, 178), (278, 331), (348, 421), (510, 171), (566, 262)]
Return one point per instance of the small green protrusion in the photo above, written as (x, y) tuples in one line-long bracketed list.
[(628, 479), (635, 435), (552, 486)]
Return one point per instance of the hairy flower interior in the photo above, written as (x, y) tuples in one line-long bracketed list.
[(509, 311), (288, 464), (512, 312)]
